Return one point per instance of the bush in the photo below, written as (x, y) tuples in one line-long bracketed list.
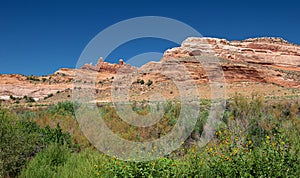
[(48, 96), (149, 83), (113, 167), (64, 108), (66, 165), (257, 139), (17, 144), (230, 158), (29, 99), (22, 139), (141, 81), (12, 97), (33, 78), (47, 162)]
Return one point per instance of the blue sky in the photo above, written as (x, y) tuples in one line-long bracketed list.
[(39, 37)]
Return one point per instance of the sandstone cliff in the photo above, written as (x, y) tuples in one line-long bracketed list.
[(264, 62)]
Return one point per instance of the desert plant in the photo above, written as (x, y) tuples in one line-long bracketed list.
[(49, 96), (64, 108), (33, 78), (29, 99), (12, 97), (149, 82), (140, 81)]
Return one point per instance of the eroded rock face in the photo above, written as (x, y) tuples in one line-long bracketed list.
[(267, 51), (262, 60), (102, 66), (37, 87), (268, 60)]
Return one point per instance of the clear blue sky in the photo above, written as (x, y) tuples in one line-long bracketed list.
[(39, 37)]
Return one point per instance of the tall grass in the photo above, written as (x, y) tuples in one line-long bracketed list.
[(258, 138)]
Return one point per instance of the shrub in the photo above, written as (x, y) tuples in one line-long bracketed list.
[(67, 164), (17, 144), (22, 139), (141, 81), (149, 82), (30, 99), (230, 158), (33, 78), (12, 97), (256, 140), (64, 108), (49, 96), (47, 162), (113, 167)]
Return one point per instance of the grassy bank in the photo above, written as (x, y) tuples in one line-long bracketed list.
[(256, 138)]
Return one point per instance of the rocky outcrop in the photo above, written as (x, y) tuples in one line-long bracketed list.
[(37, 87), (269, 60), (259, 60), (266, 51), (102, 66)]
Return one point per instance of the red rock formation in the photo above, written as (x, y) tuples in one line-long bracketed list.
[(270, 60), (263, 60), (102, 66)]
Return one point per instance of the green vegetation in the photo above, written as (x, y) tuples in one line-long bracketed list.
[(49, 96), (64, 108), (149, 83), (33, 78), (28, 99), (140, 81), (44, 79), (255, 139), (12, 97), (21, 139)]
